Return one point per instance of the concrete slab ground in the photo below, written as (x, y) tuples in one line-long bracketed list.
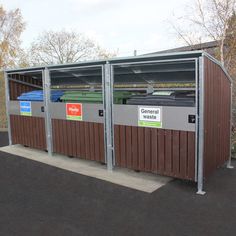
[(3, 129), (145, 182)]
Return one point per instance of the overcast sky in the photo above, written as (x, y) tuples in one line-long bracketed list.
[(114, 24)]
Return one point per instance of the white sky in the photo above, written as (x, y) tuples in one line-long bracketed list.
[(114, 24)]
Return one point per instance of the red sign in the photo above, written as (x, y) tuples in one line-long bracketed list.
[(74, 111)]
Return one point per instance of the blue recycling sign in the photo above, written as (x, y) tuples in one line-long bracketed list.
[(25, 108)]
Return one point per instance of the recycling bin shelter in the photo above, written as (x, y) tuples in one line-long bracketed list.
[(168, 114)]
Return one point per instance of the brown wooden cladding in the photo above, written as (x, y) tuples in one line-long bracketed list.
[(166, 152), (28, 131), (79, 139), (16, 89), (216, 117)]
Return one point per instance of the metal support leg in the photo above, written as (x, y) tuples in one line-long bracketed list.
[(229, 166), (108, 117), (7, 94), (201, 128), (47, 101)]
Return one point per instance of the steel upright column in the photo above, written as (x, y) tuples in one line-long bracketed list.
[(47, 102), (201, 128), (108, 116), (229, 165), (196, 115), (7, 94)]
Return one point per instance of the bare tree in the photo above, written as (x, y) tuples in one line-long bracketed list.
[(207, 20), (11, 27), (64, 47), (212, 20)]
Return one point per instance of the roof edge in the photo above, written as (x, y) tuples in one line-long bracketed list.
[(219, 64), (99, 62)]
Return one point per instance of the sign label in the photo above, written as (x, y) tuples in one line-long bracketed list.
[(150, 117), (74, 111), (25, 108)]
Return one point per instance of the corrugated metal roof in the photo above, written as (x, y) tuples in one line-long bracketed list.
[(200, 46)]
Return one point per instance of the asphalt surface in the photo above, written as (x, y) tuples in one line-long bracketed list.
[(36, 199)]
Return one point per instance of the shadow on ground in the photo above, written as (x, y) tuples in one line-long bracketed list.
[(36, 199)]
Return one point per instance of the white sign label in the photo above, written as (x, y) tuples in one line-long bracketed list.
[(150, 117)]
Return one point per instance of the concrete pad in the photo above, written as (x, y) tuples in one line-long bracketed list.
[(145, 182), (3, 129)]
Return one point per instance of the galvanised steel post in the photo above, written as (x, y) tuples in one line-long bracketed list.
[(47, 102), (229, 165), (112, 114), (196, 115), (108, 116), (201, 128), (7, 94)]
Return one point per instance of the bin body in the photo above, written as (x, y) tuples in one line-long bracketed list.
[(93, 97)]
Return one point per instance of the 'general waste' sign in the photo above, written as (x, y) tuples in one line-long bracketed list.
[(150, 117), (74, 111)]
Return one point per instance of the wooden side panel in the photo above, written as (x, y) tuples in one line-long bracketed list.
[(216, 117), (166, 152), (78, 139), (28, 131)]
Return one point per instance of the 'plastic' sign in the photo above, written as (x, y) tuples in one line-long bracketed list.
[(74, 111), (25, 108)]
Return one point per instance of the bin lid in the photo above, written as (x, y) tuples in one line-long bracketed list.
[(171, 98)]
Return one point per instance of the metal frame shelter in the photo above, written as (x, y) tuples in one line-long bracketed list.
[(207, 140)]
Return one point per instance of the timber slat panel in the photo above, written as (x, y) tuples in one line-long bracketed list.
[(117, 143), (87, 141), (166, 152), (154, 150), (78, 139), (141, 153), (216, 117), (28, 131), (91, 140), (134, 146), (96, 144), (147, 149), (183, 153), (128, 147), (191, 153), (101, 142), (176, 153), (81, 139), (161, 150), (123, 146)]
